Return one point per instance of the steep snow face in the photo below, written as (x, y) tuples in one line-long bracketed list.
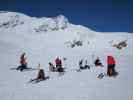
[(51, 24), (22, 33), (61, 21)]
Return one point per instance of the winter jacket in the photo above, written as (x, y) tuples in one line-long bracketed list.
[(41, 74), (58, 61), (22, 60), (110, 60)]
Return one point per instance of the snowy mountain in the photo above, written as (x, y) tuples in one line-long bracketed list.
[(12, 20), (44, 39)]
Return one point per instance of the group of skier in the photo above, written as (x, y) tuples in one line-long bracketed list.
[(58, 66), (41, 75)]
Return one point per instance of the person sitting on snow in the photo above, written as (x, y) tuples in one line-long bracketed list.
[(40, 75), (51, 67), (23, 63), (97, 62), (58, 63), (85, 66)]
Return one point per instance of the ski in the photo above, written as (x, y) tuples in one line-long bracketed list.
[(101, 76), (26, 69), (34, 81)]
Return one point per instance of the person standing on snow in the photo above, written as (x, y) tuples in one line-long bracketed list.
[(97, 62), (111, 66)]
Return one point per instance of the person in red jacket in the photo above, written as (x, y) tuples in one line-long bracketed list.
[(111, 65)]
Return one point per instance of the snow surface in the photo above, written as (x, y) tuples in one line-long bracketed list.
[(19, 35)]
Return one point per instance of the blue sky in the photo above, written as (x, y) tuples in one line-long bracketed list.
[(99, 15)]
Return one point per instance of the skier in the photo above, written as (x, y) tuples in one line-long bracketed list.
[(23, 63), (58, 63), (85, 66), (111, 66), (51, 67), (40, 76), (97, 62)]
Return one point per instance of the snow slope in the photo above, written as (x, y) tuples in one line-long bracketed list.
[(44, 39)]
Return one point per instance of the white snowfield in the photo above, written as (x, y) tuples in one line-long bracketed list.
[(44, 39)]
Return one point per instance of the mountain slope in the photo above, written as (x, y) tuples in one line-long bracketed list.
[(44, 39)]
